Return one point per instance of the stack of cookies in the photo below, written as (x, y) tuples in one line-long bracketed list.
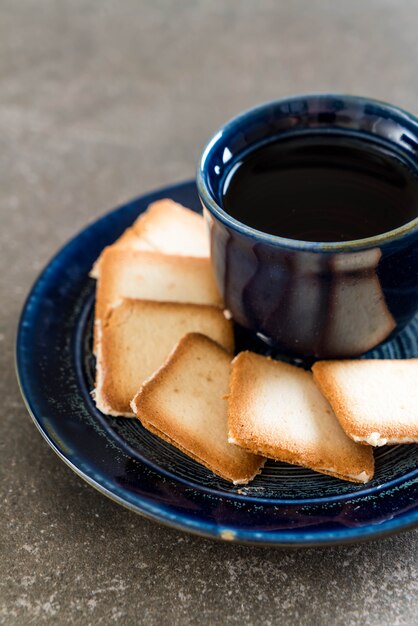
[(164, 353)]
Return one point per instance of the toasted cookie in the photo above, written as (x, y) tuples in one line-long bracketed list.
[(135, 339), (165, 227), (154, 276), (144, 275), (184, 403), (376, 401), (276, 410)]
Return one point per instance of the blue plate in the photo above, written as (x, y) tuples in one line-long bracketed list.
[(284, 506)]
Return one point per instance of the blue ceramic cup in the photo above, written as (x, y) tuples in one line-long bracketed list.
[(312, 299)]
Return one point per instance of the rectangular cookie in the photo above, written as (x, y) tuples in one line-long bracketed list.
[(148, 275), (184, 403), (375, 400), (166, 227), (276, 410), (136, 338)]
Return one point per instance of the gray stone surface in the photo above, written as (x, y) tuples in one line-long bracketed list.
[(101, 100)]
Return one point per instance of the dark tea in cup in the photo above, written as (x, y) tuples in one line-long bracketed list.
[(322, 188)]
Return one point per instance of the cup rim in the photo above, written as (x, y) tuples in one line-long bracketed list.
[(276, 240)]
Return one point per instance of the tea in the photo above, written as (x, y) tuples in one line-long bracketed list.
[(322, 188)]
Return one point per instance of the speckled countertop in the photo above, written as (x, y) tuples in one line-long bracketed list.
[(100, 101)]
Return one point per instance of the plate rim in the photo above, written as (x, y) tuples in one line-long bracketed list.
[(346, 535)]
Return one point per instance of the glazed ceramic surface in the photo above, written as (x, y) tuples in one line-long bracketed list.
[(323, 300), (284, 506)]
